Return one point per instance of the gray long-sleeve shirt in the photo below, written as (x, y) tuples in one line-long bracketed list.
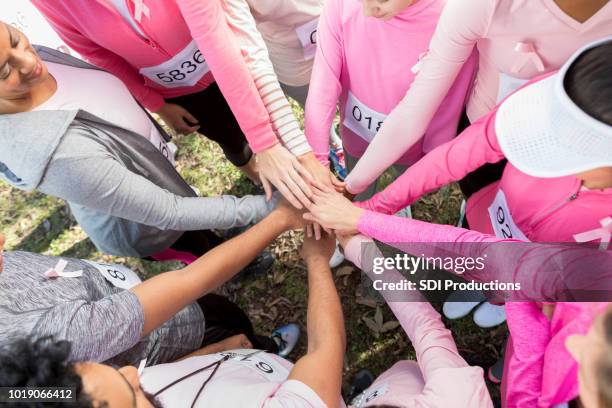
[(123, 192), (103, 322)]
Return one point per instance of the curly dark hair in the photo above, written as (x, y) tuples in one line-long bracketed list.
[(589, 82), (41, 363)]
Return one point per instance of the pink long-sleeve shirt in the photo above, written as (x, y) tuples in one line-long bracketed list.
[(440, 377), (517, 40), (539, 371), (544, 209), (366, 66), (96, 30)]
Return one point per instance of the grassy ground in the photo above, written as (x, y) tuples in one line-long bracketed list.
[(33, 222)]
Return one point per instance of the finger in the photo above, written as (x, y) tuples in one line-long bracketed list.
[(187, 115), (266, 186), (322, 186), (302, 183), (306, 175), (317, 231), (308, 229), (295, 190), (289, 195)]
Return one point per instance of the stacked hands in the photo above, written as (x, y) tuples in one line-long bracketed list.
[(326, 208)]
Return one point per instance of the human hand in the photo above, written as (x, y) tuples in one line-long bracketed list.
[(278, 167), (344, 239), (176, 117), (290, 216), (318, 250), (333, 211)]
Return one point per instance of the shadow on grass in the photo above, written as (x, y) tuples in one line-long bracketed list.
[(83, 249), (47, 231)]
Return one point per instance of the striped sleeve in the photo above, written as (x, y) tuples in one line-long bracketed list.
[(258, 62)]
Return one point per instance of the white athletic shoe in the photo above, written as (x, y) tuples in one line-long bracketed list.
[(405, 212), (457, 310), (337, 258), (488, 315)]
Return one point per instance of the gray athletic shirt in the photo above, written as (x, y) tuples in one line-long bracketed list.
[(102, 322)]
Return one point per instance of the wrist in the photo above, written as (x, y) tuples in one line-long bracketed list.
[(317, 261), (306, 157)]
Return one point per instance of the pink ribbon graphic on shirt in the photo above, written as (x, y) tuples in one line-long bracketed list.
[(604, 234), (58, 270), (140, 9), (527, 53)]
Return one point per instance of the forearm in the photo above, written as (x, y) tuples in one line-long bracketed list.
[(449, 162), (325, 318), (164, 295), (252, 44), (210, 30)]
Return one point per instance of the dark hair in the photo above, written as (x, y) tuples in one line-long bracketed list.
[(41, 363), (604, 365), (589, 82)]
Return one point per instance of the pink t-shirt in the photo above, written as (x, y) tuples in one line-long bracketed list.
[(543, 209), (259, 380), (367, 65), (517, 40), (166, 62)]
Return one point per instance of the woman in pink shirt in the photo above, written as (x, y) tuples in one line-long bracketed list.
[(557, 135), (517, 40), (166, 52), (365, 63)]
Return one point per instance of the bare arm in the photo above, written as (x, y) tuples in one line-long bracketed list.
[(164, 295), (321, 367)]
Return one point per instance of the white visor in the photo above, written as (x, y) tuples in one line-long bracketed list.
[(543, 133)]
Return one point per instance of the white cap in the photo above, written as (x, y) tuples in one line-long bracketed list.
[(543, 133)]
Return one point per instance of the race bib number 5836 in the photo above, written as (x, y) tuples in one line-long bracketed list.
[(184, 69)]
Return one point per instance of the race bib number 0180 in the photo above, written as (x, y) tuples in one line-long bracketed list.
[(258, 360), (502, 221), (118, 275), (307, 34), (184, 69), (362, 120)]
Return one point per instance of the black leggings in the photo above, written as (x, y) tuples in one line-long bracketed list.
[(482, 176), (225, 319), (217, 122)]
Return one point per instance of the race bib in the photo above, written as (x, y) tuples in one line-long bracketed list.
[(258, 360), (371, 394), (307, 34), (185, 69), (162, 146), (502, 221), (361, 119), (117, 275), (507, 85)]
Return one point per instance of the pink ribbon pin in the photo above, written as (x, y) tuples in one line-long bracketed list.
[(527, 53), (58, 271), (604, 234), (139, 9)]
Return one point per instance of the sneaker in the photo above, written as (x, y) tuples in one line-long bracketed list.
[(461, 302), (495, 372), (489, 315), (286, 338), (361, 381), (337, 258), (405, 212)]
